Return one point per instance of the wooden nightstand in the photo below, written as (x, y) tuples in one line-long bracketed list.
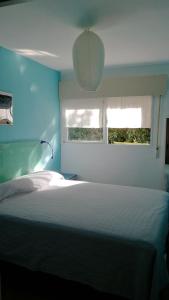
[(69, 176)]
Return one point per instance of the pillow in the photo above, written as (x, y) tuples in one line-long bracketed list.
[(29, 183), (49, 175), (16, 186), (45, 178)]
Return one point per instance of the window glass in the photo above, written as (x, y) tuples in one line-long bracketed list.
[(129, 135), (113, 120), (85, 134), (129, 119), (83, 119)]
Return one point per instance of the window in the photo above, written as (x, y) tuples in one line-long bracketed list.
[(83, 120), (129, 119), (112, 120)]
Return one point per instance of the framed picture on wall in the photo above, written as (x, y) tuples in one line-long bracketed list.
[(6, 113)]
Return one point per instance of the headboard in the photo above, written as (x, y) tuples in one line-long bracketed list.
[(19, 158)]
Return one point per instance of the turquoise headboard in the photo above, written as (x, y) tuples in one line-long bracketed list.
[(19, 158)]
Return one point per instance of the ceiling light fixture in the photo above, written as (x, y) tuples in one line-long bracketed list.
[(88, 60)]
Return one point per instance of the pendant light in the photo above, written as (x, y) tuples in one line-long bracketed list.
[(88, 60)]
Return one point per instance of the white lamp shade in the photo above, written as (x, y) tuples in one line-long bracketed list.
[(88, 60)]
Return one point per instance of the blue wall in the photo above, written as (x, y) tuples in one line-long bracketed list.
[(36, 108)]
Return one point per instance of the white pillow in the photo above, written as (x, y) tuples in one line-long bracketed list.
[(44, 178), (16, 186), (29, 183)]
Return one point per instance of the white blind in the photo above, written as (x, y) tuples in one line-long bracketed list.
[(129, 112), (83, 113)]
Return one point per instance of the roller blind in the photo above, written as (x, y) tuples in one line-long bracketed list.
[(129, 112), (82, 113)]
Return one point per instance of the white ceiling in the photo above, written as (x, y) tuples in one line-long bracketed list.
[(133, 31)]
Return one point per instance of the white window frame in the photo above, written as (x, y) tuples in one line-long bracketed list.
[(105, 129)]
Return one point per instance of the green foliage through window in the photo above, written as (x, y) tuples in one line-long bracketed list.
[(129, 135), (85, 134), (115, 135)]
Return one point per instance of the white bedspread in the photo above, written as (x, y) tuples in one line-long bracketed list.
[(110, 237)]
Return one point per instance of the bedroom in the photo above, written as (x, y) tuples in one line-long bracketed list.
[(36, 54)]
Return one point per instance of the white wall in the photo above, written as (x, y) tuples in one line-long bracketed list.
[(122, 164)]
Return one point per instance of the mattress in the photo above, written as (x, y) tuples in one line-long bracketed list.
[(107, 236)]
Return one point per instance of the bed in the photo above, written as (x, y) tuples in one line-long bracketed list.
[(106, 236)]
